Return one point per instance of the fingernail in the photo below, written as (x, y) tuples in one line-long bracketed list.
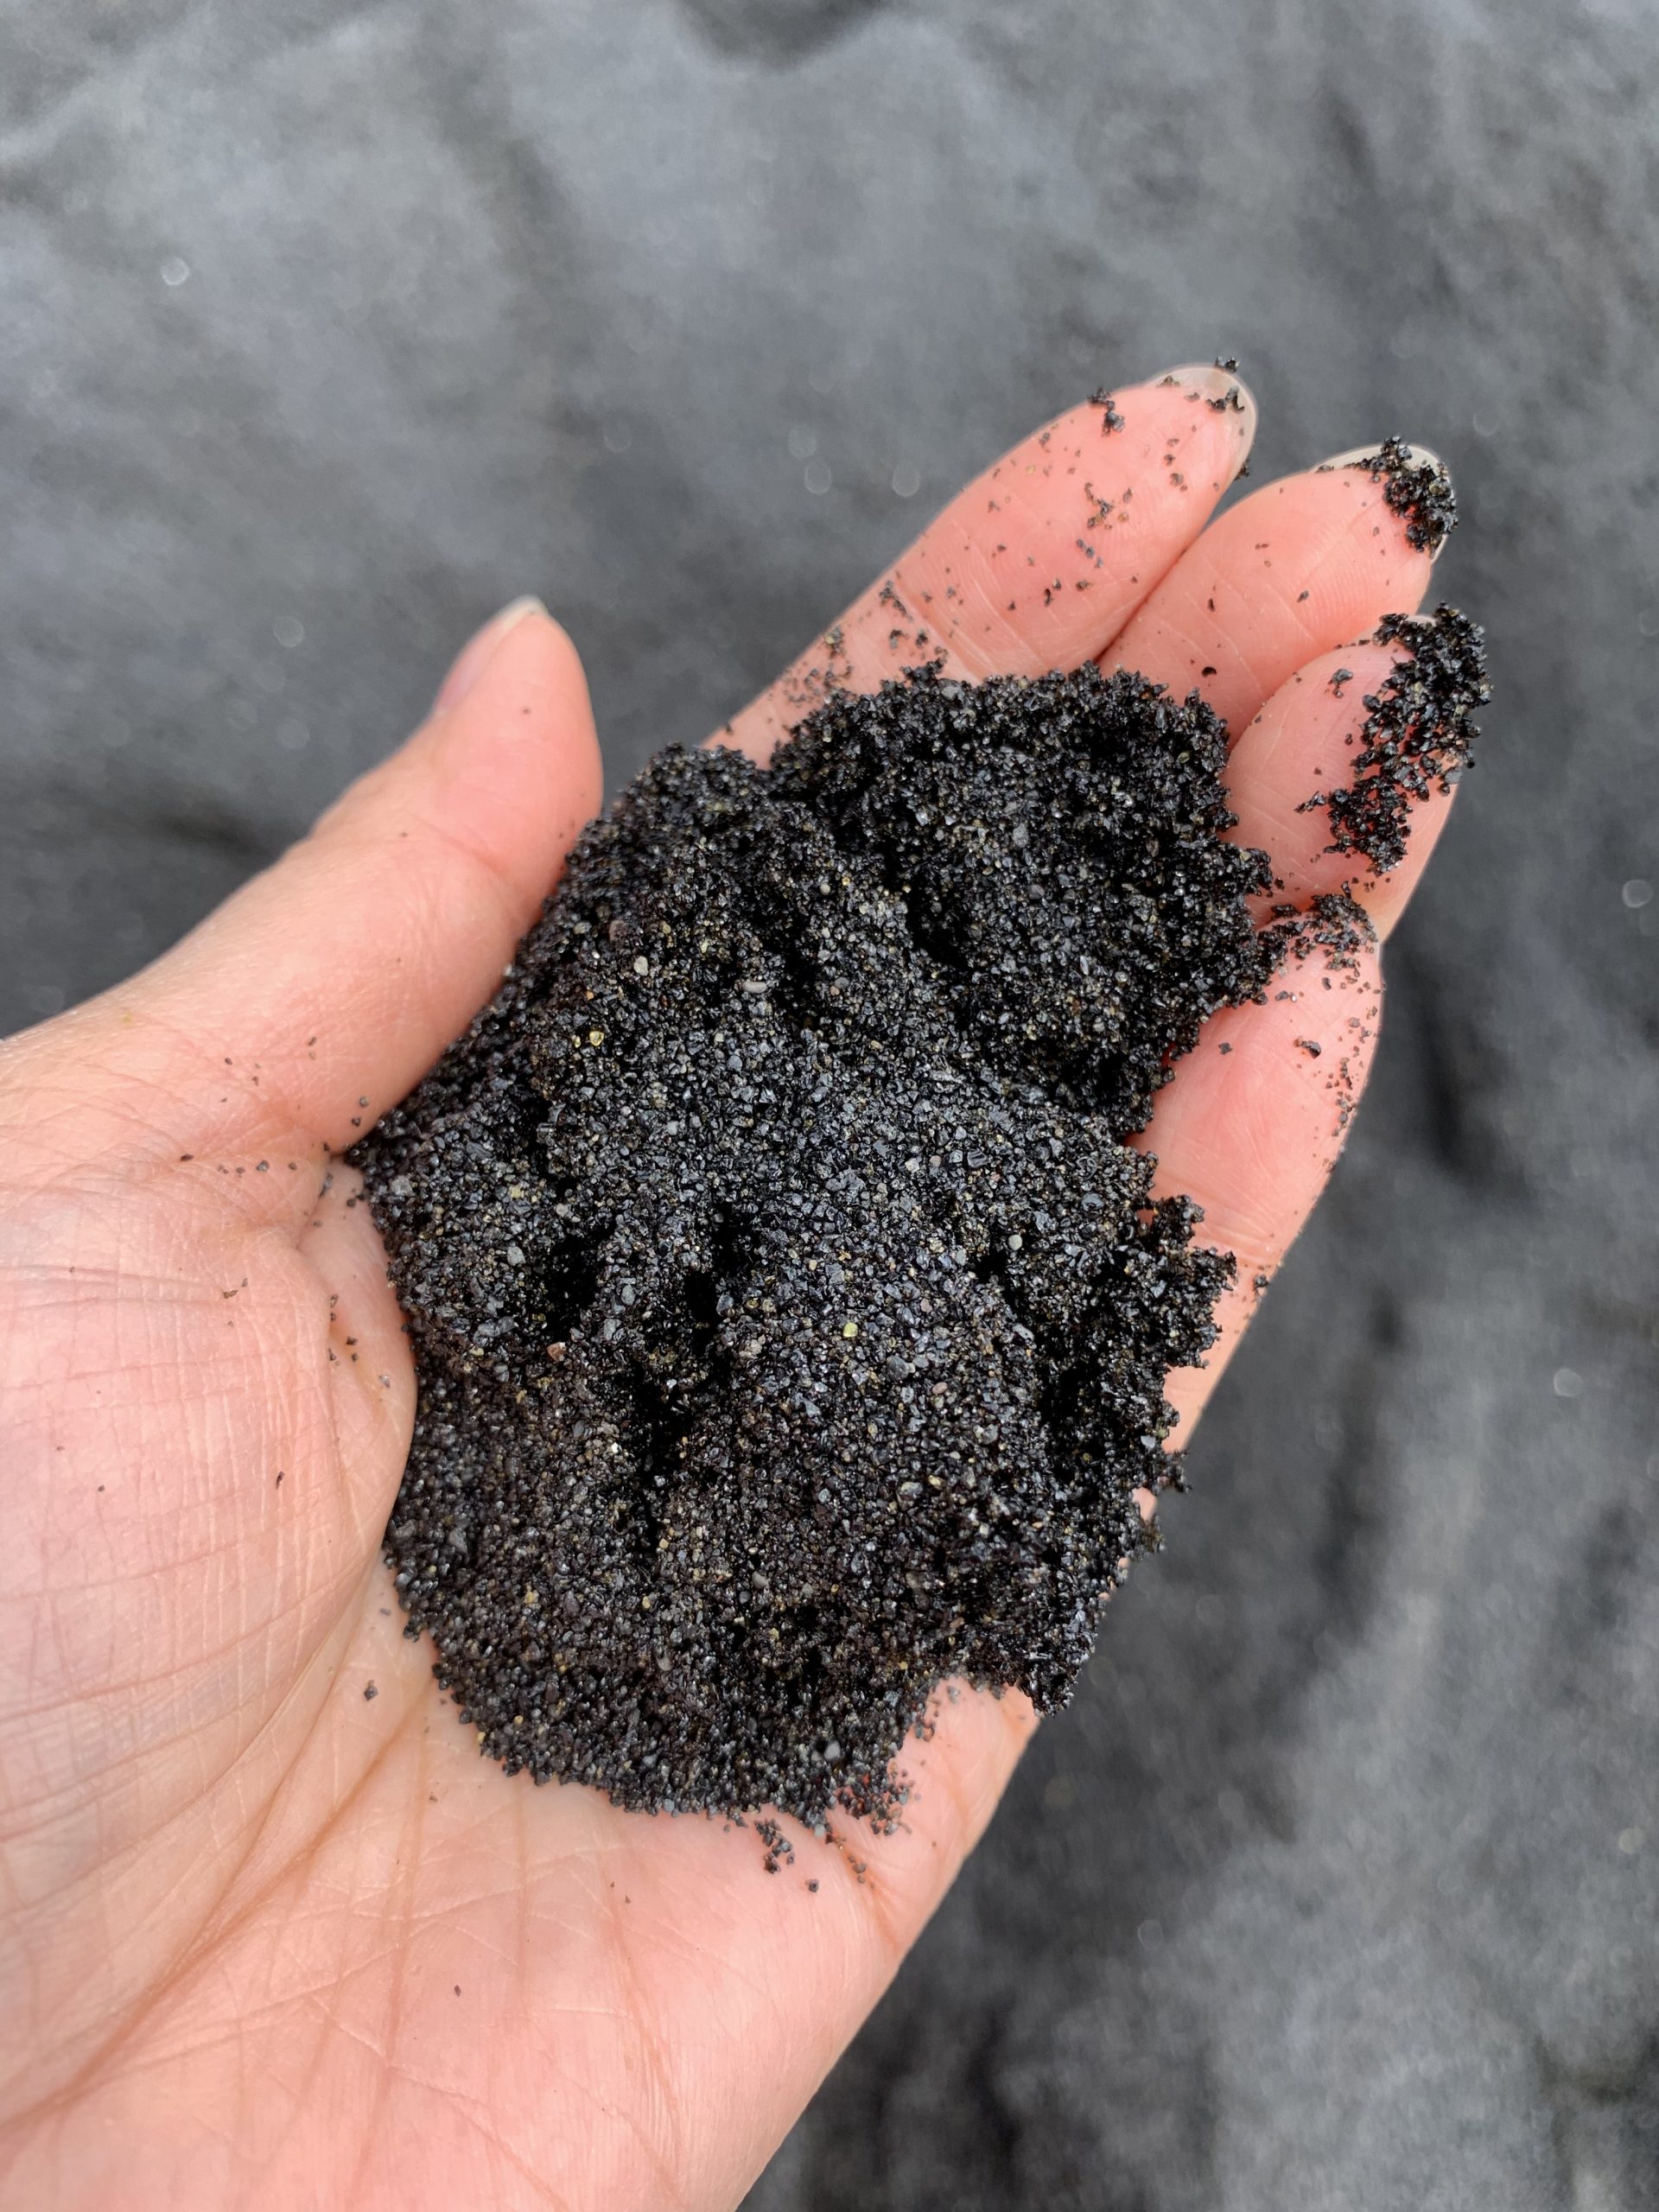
[(1417, 487), (476, 655), (1374, 452), (1218, 385)]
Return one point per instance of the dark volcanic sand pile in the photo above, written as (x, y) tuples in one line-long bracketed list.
[(792, 1320)]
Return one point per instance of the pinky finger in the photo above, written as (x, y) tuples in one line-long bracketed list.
[(1252, 1122), (1345, 777)]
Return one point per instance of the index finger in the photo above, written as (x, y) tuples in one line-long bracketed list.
[(1039, 562)]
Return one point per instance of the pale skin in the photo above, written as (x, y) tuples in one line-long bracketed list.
[(266, 1940)]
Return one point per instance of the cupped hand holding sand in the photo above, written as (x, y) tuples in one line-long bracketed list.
[(272, 1932)]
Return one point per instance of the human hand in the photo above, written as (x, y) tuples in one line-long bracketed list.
[(270, 1931)]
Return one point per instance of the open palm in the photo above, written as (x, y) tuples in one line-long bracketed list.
[(271, 1932)]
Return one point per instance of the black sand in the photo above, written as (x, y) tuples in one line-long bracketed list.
[(792, 1322), (1417, 487), (1418, 734)]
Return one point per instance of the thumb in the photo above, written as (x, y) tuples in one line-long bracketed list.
[(334, 980)]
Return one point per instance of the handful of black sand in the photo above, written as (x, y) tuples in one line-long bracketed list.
[(792, 1319)]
